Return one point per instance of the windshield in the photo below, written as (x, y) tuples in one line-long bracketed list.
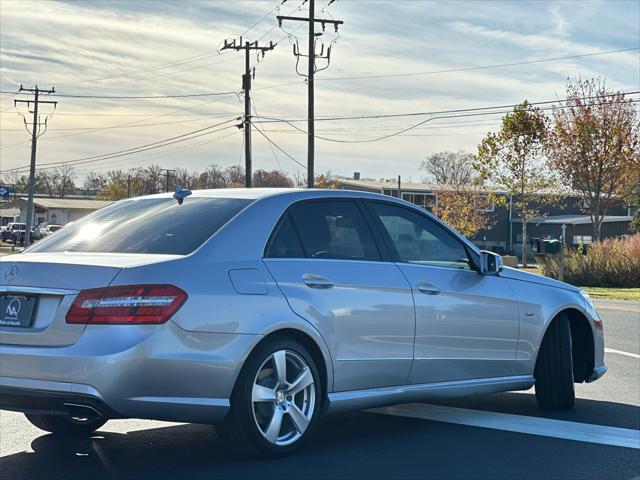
[(146, 225)]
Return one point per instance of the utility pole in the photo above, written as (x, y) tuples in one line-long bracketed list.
[(167, 173), (311, 71), (35, 133), (246, 88)]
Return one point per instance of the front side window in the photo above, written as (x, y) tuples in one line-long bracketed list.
[(146, 225), (334, 229), (416, 239)]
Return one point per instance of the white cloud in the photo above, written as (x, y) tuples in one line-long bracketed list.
[(90, 41)]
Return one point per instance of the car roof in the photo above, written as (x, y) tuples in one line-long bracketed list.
[(259, 193)]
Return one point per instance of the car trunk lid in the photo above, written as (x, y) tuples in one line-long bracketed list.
[(37, 290)]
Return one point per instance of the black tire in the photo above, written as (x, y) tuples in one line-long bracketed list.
[(554, 367), (65, 426), (240, 426)]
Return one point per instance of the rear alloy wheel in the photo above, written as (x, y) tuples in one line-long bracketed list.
[(276, 401), (66, 426), (554, 367)]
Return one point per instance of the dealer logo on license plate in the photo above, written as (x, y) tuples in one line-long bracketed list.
[(16, 310)]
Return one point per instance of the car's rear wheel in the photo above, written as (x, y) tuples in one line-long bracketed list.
[(554, 367), (66, 426), (276, 401)]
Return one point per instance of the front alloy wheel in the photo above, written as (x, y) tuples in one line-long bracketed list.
[(276, 400)]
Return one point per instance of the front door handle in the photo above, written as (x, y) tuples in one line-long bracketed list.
[(316, 281), (428, 288)]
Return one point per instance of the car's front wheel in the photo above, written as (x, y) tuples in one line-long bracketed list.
[(276, 402), (554, 367), (66, 426)]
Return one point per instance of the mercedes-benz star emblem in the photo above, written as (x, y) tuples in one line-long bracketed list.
[(11, 273)]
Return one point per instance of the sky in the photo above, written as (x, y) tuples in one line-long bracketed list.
[(166, 48)]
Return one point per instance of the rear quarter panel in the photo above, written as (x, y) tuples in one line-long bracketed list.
[(251, 303)]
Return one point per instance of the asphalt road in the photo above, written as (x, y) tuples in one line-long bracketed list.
[(492, 436)]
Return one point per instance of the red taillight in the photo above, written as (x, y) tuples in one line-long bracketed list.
[(126, 305)]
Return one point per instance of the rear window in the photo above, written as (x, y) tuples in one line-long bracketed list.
[(153, 226)]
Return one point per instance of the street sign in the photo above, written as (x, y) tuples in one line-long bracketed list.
[(5, 192)]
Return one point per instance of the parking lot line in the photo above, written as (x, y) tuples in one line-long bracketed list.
[(620, 309), (620, 352), (546, 427)]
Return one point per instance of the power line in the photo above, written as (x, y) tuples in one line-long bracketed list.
[(54, 165), (155, 156), (273, 152), (129, 151), (437, 112), (281, 149), (279, 4), (146, 97), (484, 67), (403, 130), (153, 68)]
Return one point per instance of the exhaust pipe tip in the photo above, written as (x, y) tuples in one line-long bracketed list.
[(82, 411)]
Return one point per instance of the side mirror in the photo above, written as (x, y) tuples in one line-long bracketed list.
[(490, 263)]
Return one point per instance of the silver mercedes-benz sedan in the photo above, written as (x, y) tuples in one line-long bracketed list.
[(262, 310)]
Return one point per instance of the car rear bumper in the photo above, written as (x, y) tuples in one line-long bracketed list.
[(154, 372), (29, 398)]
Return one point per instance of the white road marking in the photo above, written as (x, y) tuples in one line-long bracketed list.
[(620, 309), (620, 352), (546, 427)]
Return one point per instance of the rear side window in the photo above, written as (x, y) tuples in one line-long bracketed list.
[(334, 229), (285, 242), (151, 225)]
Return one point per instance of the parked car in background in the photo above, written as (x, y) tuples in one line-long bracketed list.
[(44, 230), (7, 234), (262, 309), (18, 231)]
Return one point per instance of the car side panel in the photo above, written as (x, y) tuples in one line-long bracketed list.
[(367, 317), (468, 330), (538, 305)]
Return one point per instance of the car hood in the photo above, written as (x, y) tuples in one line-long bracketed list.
[(523, 276)]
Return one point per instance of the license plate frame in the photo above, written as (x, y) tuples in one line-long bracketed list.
[(17, 310)]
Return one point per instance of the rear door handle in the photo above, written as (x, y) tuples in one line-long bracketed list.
[(316, 281), (428, 288)]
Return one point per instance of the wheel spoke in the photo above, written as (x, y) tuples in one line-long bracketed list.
[(273, 430), (300, 421), (263, 394), (302, 381), (280, 360)]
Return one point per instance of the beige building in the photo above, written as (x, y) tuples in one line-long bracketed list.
[(56, 211)]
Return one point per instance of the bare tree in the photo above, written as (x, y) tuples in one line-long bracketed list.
[(450, 168), (95, 181), (57, 182), (234, 176), (460, 202), (186, 179), (594, 146), (273, 178)]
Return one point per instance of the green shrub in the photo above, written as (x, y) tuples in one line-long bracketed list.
[(609, 263)]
